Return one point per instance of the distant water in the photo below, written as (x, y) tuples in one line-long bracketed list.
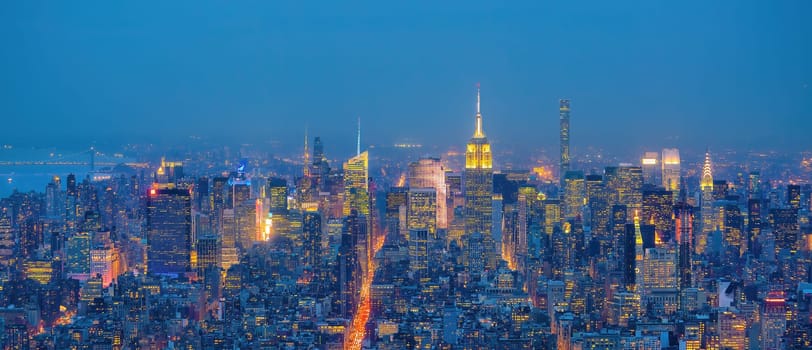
[(25, 178)]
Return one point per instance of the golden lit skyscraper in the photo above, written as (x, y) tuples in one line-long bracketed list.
[(671, 169), (429, 173), (356, 184), (478, 181), (706, 205)]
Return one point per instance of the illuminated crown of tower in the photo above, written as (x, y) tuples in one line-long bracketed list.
[(707, 177)]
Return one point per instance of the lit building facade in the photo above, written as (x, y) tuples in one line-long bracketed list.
[(422, 210), (6, 239), (731, 328), (671, 169), (514, 234), (706, 205), (650, 162), (624, 184), (574, 194), (658, 211), (478, 181), (430, 173), (311, 238), (419, 252), (356, 184), (773, 321)]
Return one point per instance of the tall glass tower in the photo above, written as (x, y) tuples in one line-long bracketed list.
[(564, 115), (169, 228)]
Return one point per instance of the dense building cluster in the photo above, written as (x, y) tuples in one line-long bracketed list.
[(419, 254)]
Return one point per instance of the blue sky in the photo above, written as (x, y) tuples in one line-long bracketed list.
[(641, 74)]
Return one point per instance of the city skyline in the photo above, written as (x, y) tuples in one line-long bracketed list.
[(195, 176)]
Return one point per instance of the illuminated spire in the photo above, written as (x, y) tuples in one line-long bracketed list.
[(478, 133), (161, 170), (707, 177), (358, 144)]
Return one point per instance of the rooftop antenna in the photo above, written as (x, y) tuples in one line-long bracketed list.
[(358, 144), (306, 155)]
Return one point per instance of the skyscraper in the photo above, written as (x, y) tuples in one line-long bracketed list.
[(514, 233), (754, 185), (753, 223), (794, 196), (597, 199), (786, 228), (732, 228), (478, 181), (617, 232), (396, 213), (624, 184), (574, 194), (169, 228), (208, 253), (78, 255), (277, 194), (638, 250), (671, 169), (6, 238), (773, 320), (651, 170), (564, 116), (684, 223), (311, 232), (350, 266), (419, 252), (422, 210), (658, 211), (356, 184), (429, 173), (658, 283), (706, 205)]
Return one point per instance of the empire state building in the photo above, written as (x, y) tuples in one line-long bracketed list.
[(478, 181)]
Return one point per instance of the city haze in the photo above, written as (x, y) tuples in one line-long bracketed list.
[(721, 74)]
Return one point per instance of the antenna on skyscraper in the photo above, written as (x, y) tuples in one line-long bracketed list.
[(477, 98), (358, 144), (306, 156)]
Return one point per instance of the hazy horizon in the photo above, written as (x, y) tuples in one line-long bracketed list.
[(734, 74)]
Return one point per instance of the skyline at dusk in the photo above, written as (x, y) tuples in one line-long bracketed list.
[(532, 175)]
